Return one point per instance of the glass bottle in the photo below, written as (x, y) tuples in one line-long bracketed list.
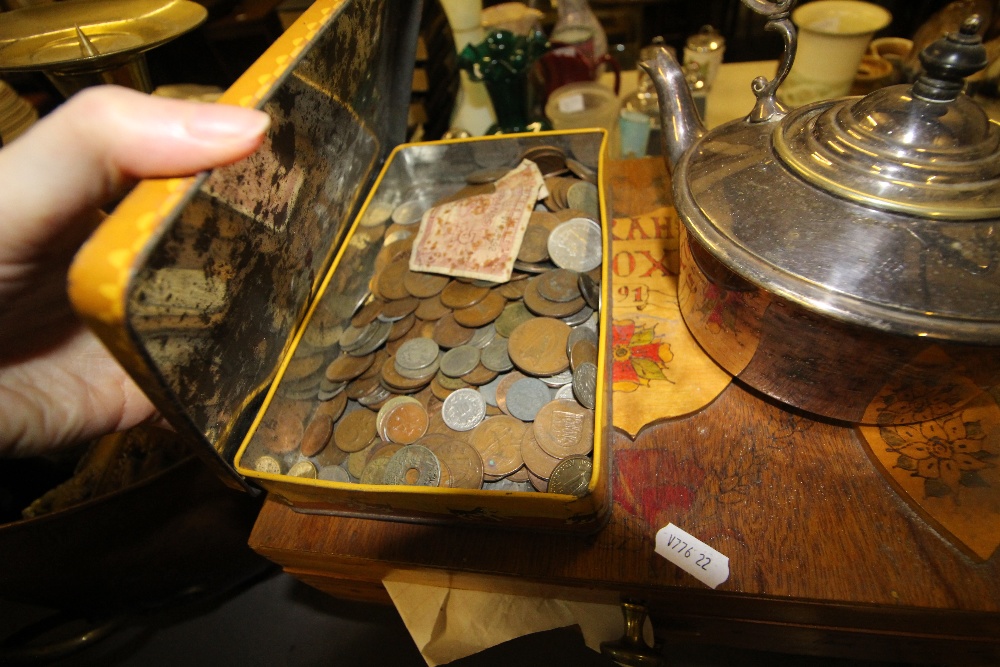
[(577, 24)]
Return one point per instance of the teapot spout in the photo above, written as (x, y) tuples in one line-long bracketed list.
[(681, 125)]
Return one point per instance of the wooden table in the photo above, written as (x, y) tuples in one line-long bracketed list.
[(825, 558)]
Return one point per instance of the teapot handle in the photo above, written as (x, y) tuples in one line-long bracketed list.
[(778, 14)]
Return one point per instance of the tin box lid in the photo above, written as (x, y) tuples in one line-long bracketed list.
[(198, 285)]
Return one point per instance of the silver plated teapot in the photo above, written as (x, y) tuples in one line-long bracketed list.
[(844, 257)]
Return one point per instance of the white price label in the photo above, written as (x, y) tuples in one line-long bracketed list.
[(692, 555), (571, 103)]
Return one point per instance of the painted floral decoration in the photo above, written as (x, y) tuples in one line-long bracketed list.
[(717, 308), (640, 356), (947, 453)]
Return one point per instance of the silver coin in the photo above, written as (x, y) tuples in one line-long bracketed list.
[(559, 379), (489, 390), (464, 409), (583, 196), (333, 392), (484, 176), (526, 397), (591, 290), (585, 384), (379, 335), (505, 484), (410, 212), (565, 392), (483, 335), (577, 244), (396, 235), (380, 394), (496, 357), (413, 465), (460, 360), (579, 317), (418, 374), (334, 474), (417, 353)]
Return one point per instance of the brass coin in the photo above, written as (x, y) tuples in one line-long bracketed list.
[(459, 294), (498, 441), (572, 476), (536, 459), (390, 280), (345, 367), (538, 346), (545, 219), (331, 456), (463, 460), (534, 244), (373, 472), (355, 431), (448, 333), (269, 464), (405, 423), (431, 309), (317, 435), (514, 314), (399, 308), (564, 428), (424, 285), (305, 469), (356, 460), (539, 305), (482, 313)]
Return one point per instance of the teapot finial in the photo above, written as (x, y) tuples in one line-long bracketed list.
[(949, 60), (778, 15)]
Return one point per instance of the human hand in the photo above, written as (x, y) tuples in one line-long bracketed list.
[(58, 384)]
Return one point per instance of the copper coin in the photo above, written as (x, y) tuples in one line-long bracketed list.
[(564, 428), (362, 387), (572, 476), (459, 294), (545, 219), (390, 280), (463, 460), (538, 346), (534, 244), (355, 431), (536, 459), (498, 441), (345, 367), (405, 423), (280, 430), (334, 407), (448, 333), (399, 308), (423, 285), (401, 327), (559, 285), (330, 456), (431, 309), (512, 291), (392, 378), (317, 435), (539, 305), (582, 352), (537, 482), (481, 313), (367, 314), (479, 375), (519, 475)]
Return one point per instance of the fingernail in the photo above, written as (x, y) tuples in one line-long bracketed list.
[(225, 121)]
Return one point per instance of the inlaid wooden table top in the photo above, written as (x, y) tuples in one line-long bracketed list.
[(806, 516)]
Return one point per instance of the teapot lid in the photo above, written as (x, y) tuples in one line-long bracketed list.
[(925, 150)]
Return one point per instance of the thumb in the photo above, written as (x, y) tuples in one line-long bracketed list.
[(98, 142)]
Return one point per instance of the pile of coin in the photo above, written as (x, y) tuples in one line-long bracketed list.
[(451, 382)]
